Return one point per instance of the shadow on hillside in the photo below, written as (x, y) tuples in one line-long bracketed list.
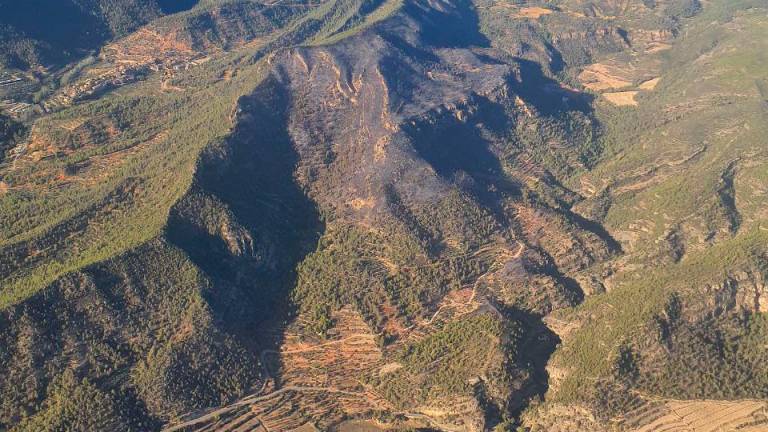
[(454, 25), (251, 174), (534, 350), (545, 93), (454, 147), (174, 6)]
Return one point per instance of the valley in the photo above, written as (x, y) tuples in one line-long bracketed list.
[(455, 215)]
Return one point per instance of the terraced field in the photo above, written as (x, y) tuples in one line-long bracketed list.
[(699, 416), (309, 380), (454, 215), (318, 383)]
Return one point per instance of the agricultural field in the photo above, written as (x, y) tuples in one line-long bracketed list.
[(343, 215)]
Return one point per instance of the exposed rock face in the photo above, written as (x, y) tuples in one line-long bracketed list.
[(417, 143), (413, 132), (743, 291), (383, 217)]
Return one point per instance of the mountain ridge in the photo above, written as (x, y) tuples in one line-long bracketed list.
[(408, 215)]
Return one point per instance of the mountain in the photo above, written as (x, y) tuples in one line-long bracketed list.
[(457, 215), (42, 32)]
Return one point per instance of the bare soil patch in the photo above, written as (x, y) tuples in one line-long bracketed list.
[(625, 98), (704, 416), (532, 12), (599, 77), (650, 84)]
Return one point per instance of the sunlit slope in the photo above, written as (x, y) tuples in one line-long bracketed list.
[(683, 190), (98, 178), (325, 214), (105, 206)]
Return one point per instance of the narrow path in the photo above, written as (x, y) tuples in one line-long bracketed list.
[(254, 398), (259, 395)]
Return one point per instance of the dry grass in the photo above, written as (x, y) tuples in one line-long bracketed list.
[(625, 98), (599, 77), (532, 12), (655, 47), (703, 416), (649, 84)]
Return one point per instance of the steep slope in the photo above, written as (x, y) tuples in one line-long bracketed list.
[(685, 307), (147, 333), (411, 140), (379, 214), (412, 115), (45, 33)]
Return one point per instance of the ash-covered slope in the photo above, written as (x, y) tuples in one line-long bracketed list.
[(362, 213), (420, 149), (437, 160), (395, 179), (414, 128)]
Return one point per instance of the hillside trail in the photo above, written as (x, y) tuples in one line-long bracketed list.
[(490, 271), (259, 395)]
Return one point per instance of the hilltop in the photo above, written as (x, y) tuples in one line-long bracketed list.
[(449, 214)]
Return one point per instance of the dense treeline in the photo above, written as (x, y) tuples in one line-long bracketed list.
[(45, 32), (454, 360), (134, 334), (11, 132), (150, 332)]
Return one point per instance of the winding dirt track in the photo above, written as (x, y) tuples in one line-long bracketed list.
[(200, 418), (256, 397)]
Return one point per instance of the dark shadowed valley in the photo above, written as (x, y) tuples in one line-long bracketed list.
[(384, 215)]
